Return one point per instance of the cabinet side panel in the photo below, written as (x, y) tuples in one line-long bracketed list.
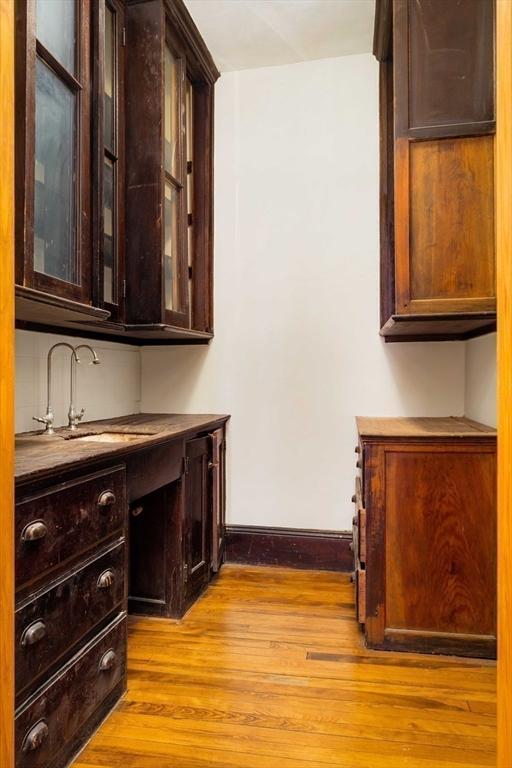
[(446, 501), (452, 222)]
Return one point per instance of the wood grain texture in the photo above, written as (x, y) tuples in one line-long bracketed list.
[(504, 267), (268, 670), (430, 501), (7, 383), (451, 251), (39, 455), (450, 498), (418, 426)]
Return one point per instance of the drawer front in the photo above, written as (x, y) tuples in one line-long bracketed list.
[(74, 604), (60, 523), (54, 717)]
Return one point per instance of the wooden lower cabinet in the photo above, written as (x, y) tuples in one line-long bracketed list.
[(71, 590), (427, 527), (177, 532)]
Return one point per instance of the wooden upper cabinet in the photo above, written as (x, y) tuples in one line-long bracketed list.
[(114, 168), (437, 168), (169, 138), (53, 154)]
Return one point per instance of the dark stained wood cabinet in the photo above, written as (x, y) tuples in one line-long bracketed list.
[(425, 535), (177, 531), (437, 121), (71, 600), (169, 124), (114, 171)]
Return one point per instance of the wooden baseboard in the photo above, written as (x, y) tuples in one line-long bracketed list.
[(289, 547)]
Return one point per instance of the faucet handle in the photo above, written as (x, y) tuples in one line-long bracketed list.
[(46, 420)]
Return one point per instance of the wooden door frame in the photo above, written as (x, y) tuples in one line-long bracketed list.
[(504, 292), (7, 383)]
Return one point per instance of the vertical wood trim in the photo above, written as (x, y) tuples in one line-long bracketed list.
[(504, 295), (7, 383), (402, 218)]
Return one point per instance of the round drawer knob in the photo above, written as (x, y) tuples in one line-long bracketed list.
[(33, 633), (357, 449), (106, 499), (358, 464), (106, 579), (35, 737), (107, 661), (34, 531), (353, 499)]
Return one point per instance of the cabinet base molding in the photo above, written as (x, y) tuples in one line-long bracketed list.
[(450, 643), (289, 547)]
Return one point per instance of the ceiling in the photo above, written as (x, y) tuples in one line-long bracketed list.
[(242, 34)]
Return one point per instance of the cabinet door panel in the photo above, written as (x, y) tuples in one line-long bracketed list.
[(450, 510), (451, 252), (197, 515)]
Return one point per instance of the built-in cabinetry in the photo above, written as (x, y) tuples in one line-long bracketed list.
[(169, 119), (177, 528), (437, 122), (114, 163), (70, 612), (76, 575), (425, 535)]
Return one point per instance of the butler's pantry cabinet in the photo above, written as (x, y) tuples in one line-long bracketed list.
[(114, 168)]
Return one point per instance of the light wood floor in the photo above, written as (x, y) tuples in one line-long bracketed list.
[(268, 670)]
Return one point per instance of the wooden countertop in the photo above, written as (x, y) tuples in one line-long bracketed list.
[(38, 454), (422, 427)]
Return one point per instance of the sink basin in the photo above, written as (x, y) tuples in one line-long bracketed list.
[(110, 437)]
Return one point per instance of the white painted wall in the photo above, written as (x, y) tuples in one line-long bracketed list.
[(110, 389), (480, 379), (297, 353)]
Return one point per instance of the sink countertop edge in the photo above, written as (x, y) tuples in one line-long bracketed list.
[(32, 463)]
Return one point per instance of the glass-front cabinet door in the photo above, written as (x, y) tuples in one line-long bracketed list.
[(175, 258), (53, 165), (111, 129)]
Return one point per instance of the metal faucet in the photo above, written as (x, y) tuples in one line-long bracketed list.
[(73, 417), (49, 417)]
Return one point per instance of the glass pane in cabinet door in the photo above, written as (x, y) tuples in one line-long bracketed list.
[(56, 29), (172, 298), (171, 118), (54, 172), (109, 238), (110, 96)]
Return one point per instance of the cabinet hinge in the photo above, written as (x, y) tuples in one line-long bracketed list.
[(189, 166), (185, 465), (190, 219), (185, 572), (190, 273), (123, 289), (123, 37)]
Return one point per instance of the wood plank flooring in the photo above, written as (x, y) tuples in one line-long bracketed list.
[(268, 670)]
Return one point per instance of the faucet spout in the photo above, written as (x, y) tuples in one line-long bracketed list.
[(73, 417), (49, 417)]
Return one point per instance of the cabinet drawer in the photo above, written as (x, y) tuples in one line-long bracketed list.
[(75, 604), (63, 521), (54, 717)]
